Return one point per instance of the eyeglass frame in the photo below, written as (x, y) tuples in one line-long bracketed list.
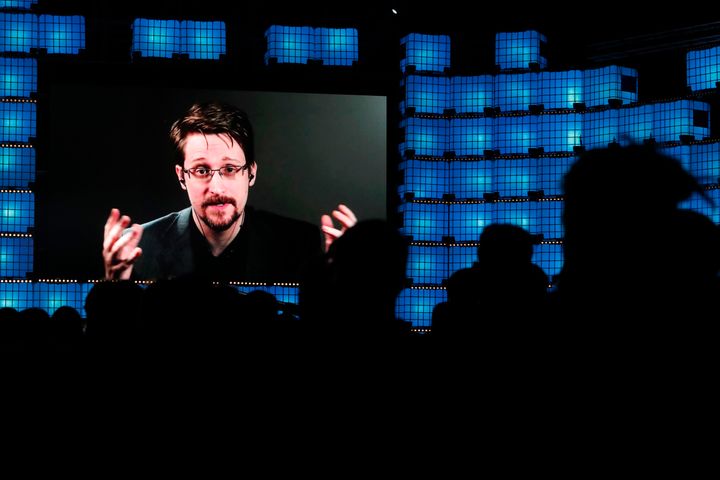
[(191, 171)]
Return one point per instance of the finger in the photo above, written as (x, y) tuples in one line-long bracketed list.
[(346, 221), (115, 232), (344, 209), (128, 240), (325, 220), (331, 232), (111, 220)]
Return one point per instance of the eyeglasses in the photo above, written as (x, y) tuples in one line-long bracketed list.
[(205, 174)]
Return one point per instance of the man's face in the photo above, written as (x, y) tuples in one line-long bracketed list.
[(219, 201)]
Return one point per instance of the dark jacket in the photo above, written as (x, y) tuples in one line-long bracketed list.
[(274, 248)]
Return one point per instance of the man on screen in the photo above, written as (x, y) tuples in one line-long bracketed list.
[(218, 236)]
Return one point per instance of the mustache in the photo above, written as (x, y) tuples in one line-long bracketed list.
[(218, 200)]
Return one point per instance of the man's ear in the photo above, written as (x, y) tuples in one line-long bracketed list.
[(180, 176), (252, 175)]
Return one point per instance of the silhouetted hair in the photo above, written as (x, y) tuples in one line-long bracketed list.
[(214, 118)]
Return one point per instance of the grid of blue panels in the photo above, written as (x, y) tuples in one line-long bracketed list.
[(18, 32), (427, 265), (515, 177), (550, 173), (560, 89), (17, 121), (471, 136), (18, 77), (156, 38), (337, 46), (560, 132), (636, 123), (202, 40), (16, 256), (289, 44), (283, 293), (610, 83), (516, 134), (517, 213), (470, 179), (426, 136), (519, 49), (17, 295), (703, 68), (416, 305), (51, 296), (425, 222), (17, 167), (600, 128), (468, 220), (682, 117), (516, 91), (427, 94), (705, 162), (548, 215), (17, 4), (471, 94), (64, 34), (425, 179), (17, 211), (549, 257), (462, 256), (701, 205), (426, 52)]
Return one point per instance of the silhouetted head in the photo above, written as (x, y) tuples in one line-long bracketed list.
[(503, 244)]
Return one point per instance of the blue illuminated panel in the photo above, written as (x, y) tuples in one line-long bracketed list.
[(516, 91), (705, 162), (560, 89), (62, 34), (682, 117), (51, 296), (636, 124), (610, 83), (548, 215), (709, 206), (550, 173), (156, 38), (471, 136), (518, 213), (17, 211), (703, 68), (549, 257), (426, 52), (600, 128), (425, 222), (17, 121), (18, 32), (472, 94), (416, 305), (426, 136), (470, 179), (515, 177), (516, 134), (519, 49), (18, 4), (337, 46), (467, 220), (427, 265), (462, 257), (426, 94), (287, 44), (282, 293), (425, 179), (16, 256), (17, 167), (17, 295), (18, 77), (203, 40), (560, 132)]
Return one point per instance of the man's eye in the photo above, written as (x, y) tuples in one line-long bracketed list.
[(202, 171), (230, 169)]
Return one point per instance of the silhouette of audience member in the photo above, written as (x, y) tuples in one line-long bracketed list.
[(501, 299), (350, 294), (113, 316), (632, 258), (11, 336), (67, 329)]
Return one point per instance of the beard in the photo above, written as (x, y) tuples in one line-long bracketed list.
[(221, 222)]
